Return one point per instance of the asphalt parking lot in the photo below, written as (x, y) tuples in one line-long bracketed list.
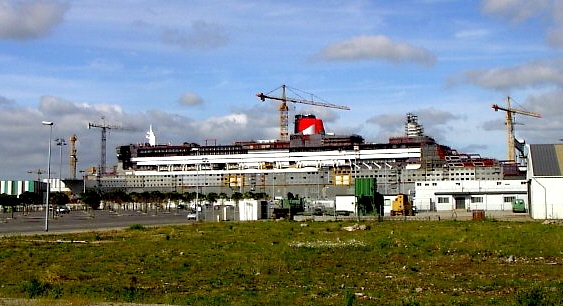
[(80, 221)]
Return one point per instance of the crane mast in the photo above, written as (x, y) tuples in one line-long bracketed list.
[(73, 158), (284, 109), (103, 127), (510, 125)]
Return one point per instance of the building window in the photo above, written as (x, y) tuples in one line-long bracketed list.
[(509, 199), (443, 200), (476, 199)]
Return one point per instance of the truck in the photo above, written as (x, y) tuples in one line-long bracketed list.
[(518, 206), (401, 206)]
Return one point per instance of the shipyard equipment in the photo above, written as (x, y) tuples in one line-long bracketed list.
[(510, 124), (401, 206), (72, 157), (284, 109), (104, 127), (367, 198)]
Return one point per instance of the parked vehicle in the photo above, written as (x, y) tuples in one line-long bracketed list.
[(63, 209), (518, 206), (401, 206), (192, 216)]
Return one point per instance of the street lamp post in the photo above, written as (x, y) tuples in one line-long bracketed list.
[(50, 124), (60, 142), (196, 183)]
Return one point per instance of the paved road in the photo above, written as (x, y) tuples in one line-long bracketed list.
[(79, 221)]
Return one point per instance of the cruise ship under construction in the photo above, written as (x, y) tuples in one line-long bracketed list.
[(310, 164)]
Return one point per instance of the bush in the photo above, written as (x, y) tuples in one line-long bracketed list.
[(136, 227), (35, 288)]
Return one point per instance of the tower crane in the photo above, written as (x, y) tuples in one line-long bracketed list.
[(104, 127), (284, 134), (510, 124), (72, 156), (38, 172)]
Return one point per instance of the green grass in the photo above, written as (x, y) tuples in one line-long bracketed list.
[(284, 263)]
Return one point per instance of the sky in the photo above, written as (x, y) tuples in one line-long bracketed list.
[(192, 70)]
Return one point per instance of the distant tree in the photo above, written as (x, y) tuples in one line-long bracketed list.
[(91, 198), (223, 196), (144, 198), (10, 201), (188, 196), (58, 198), (30, 198), (157, 198), (212, 197), (237, 196), (118, 197), (173, 197), (249, 195)]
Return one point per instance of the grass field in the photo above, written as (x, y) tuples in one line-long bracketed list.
[(287, 263)]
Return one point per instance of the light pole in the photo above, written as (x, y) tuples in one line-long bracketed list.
[(50, 124), (196, 183), (60, 142)]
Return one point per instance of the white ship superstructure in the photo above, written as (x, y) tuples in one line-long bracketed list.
[(312, 164)]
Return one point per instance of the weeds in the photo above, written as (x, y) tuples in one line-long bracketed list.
[(136, 227), (282, 263), (35, 288)]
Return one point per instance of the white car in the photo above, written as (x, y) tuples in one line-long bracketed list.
[(192, 216), (63, 209)]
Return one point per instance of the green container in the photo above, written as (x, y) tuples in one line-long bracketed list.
[(365, 186)]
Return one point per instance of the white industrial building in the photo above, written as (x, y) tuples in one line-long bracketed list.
[(18, 187), (545, 163), (469, 195)]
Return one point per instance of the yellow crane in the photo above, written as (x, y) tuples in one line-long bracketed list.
[(73, 159), (510, 124), (284, 109)]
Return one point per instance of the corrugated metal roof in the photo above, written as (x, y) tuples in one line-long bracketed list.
[(547, 159)]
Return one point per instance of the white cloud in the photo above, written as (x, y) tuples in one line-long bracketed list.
[(472, 34), (377, 47), (190, 98), (202, 35), (514, 10), (29, 19), (537, 73)]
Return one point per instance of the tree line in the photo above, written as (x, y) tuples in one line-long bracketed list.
[(93, 198)]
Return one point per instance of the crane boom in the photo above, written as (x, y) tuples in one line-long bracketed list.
[(516, 111), (263, 97), (510, 124), (284, 120)]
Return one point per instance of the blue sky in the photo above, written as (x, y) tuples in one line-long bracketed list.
[(192, 69)]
